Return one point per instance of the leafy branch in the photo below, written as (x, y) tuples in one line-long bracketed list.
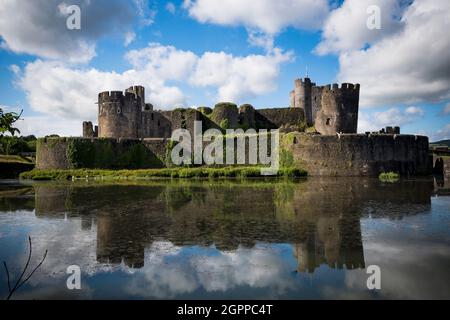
[(6, 121)]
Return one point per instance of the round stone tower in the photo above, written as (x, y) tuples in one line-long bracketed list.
[(119, 114), (301, 98), (339, 109)]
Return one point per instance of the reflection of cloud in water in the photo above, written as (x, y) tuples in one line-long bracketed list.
[(170, 271), (408, 271), (66, 243), (279, 248)]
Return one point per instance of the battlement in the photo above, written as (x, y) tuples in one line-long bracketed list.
[(116, 96), (302, 82), (137, 91), (120, 112), (343, 87), (330, 109)]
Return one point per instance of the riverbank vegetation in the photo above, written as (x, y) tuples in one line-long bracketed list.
[(389, 177), (178, 172), (14, 145)]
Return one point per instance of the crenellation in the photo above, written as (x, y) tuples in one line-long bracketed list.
[(330, 109)]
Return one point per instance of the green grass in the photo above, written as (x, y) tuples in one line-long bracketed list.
[(389, 177), (179, 172), (13, 158)]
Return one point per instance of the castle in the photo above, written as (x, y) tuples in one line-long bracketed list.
[(318, 134), (329, 109)]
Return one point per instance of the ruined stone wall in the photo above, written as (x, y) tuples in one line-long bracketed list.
[(155, 124), (182, 118), (358, 154), (316, 102), (88, 129), (247, 116), (226, 115), (338, 155), (51, 153), (126, 115), (100, 153), (286, 119)]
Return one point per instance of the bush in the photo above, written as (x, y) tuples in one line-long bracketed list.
[(226, 105), (389, 176), (11, 145)]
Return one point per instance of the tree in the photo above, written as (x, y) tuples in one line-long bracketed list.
[(7, 120)]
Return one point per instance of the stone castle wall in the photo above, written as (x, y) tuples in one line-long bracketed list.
[(331, 109), (338, 155), (359, 154), (126, 115), (100, 153), (285, 119)]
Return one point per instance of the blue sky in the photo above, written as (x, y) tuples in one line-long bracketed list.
[(199, 52)]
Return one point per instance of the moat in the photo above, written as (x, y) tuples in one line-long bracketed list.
[(204, 239)]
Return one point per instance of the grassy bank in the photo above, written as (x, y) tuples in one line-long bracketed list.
[(180, 172), (11, 166), (14, 159), (389, 177)]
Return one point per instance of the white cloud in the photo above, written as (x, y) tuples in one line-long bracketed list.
[(265, 15), (129, 38), (171, 7), (14, 69), (391, 117), (261, 39), (38, 27), (414, 112), (346, 27), (6, 108), (43, 125), (239, 77), (406, 65), (59, 90), (146, 13), (164, 62)]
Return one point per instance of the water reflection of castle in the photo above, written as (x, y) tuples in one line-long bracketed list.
[(320, 218)]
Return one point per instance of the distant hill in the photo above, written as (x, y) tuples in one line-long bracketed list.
[(442, 142)]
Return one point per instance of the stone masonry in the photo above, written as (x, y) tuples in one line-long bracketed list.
[(331, 109)]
